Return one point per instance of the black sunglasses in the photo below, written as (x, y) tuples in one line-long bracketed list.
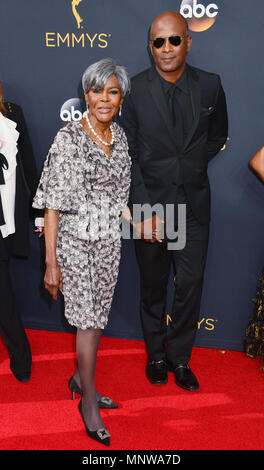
[(175, 40)]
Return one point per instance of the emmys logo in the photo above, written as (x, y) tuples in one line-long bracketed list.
[(208, 324), (198, 16), (70, 40)]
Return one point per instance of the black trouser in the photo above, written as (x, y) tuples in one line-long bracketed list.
[(155, 262), (11, 327)]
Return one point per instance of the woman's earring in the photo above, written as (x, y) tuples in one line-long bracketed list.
[(120, 110), (87, 108)]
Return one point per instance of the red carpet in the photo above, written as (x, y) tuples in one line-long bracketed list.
[(227, 412)]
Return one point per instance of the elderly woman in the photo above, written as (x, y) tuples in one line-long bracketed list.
[(18, 183), (84, 187)]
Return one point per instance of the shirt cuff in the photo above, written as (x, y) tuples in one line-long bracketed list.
[(39, 221)]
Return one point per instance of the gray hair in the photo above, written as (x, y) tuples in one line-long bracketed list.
[(97, 74)]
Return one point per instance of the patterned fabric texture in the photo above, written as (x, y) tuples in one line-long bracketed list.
[(90, 190), (254, 341)]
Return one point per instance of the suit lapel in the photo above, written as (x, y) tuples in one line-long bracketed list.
[(158, 96), (195, 95)]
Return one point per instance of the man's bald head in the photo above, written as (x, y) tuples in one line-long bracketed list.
[(167, 17)]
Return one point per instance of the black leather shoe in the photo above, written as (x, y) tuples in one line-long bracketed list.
[(185, 378), (156, 372)]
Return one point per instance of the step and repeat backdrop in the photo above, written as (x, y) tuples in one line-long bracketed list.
[(45, 48)]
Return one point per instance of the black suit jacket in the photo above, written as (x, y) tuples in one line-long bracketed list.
[(26, 185), (152, 141)]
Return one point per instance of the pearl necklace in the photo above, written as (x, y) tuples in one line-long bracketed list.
[(97, 136)]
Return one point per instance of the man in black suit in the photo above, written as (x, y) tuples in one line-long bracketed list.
[(175, 120), (16, 244)]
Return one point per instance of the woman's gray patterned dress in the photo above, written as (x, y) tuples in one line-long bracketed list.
[(90, 190)]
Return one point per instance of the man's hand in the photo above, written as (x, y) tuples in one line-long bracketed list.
[(150, 229)]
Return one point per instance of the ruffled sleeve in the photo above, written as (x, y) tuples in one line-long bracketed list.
[(55, 186)]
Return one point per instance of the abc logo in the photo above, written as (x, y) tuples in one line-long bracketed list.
[(198, 16), (71, 110)]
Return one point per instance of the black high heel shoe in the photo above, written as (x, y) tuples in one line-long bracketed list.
[(101, 435), (105, 403)]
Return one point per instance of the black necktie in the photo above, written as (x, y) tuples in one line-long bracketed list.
[(176, 114), (171, 93), (3, 165)]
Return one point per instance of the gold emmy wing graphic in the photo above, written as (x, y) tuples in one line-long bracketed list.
[(80, 39), (79, 20)]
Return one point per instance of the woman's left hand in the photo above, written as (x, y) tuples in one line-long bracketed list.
[(40, 230)]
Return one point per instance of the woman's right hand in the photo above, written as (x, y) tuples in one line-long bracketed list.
[(53, 280)]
